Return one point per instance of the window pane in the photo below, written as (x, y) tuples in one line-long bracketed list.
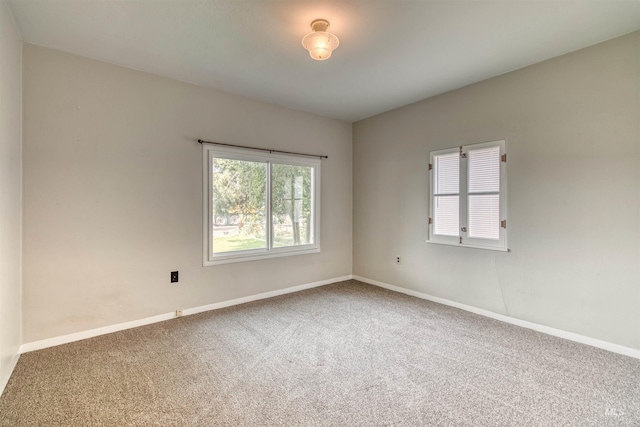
[(292, 205), (484, 216), (239, 205), (447, 173), (484, 170), (446, 216)]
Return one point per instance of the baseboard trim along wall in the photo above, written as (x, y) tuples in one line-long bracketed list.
[(605, 345), (4, 381), (77, 336), (51, 342)]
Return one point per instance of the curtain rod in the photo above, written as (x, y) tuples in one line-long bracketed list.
[(263, 149)]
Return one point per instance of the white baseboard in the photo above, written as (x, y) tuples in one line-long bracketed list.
[(605, 345), (50, 342), (5, 379), (77, 336), (223, 304)]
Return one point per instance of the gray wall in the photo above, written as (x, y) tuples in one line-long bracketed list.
[(573, 171), (113, 193), (10, 191)]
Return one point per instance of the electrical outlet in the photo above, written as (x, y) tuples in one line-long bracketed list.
[(179, 312), (174, 276), (398, 260)]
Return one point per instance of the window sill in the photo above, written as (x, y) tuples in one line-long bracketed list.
[(233, 258), (463, 245)]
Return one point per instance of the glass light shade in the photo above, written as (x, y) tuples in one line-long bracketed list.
[(320, 44)]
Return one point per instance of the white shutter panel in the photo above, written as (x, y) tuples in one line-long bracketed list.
[(484, 170), (447, 174), (484, 193), (447, 215), (446, 201), (484, 217)]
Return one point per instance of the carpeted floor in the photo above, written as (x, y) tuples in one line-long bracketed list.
[(346, 354)]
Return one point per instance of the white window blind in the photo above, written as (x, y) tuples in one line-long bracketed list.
[(447, 197), (468, 197), (484, 193)]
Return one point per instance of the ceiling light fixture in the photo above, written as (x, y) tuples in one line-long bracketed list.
[(320, 43)]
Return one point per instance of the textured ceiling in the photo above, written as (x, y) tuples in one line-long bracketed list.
[(391, 53)]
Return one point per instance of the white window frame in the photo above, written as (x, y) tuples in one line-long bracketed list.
[(209, 153), (462, 239)]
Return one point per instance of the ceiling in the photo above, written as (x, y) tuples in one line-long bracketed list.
[(391, 53)]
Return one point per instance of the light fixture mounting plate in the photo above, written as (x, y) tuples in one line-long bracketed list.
[(320, 25)]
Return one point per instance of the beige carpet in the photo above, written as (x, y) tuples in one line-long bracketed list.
[(346, 354)]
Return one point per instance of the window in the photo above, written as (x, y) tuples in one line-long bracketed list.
[(259, 205), (468, 196)]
